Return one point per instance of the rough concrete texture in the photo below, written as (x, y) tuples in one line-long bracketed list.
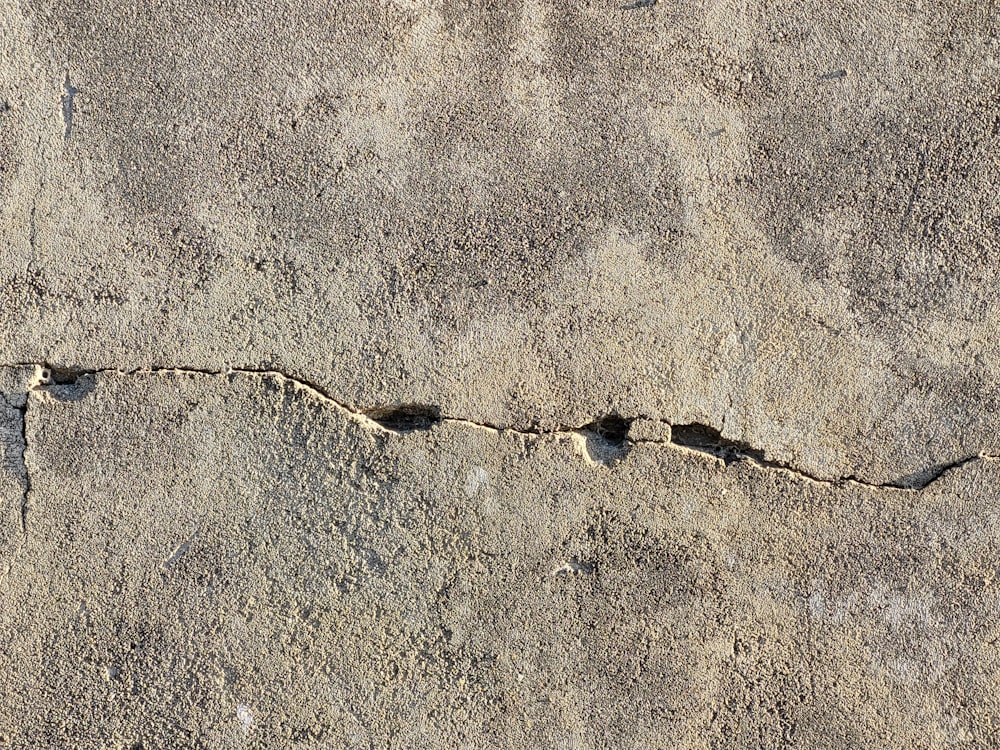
[(430, 373)]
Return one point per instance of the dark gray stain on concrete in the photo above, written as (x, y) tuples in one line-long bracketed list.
[(68, 106)]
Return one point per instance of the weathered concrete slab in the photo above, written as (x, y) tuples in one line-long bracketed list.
[(235, 560), (434, 373), (775, 219)]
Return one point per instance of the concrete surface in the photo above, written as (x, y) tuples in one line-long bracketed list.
[(433, 373), (234, 560)]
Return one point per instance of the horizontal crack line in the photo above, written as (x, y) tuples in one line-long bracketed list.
[(612, 429)]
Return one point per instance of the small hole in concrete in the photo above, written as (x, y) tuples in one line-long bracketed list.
[(606, 439), (612, 429), (62, 375)]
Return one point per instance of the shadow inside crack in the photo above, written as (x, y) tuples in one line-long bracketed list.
[(707, 439), (67, 384), (405, 417)]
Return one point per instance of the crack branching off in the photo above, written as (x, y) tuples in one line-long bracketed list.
[(24, 465), (612, 432)]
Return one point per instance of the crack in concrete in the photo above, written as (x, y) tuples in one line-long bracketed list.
[(21, 407), (923, 479), (24, 465), (33, 227), (695, 438)]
